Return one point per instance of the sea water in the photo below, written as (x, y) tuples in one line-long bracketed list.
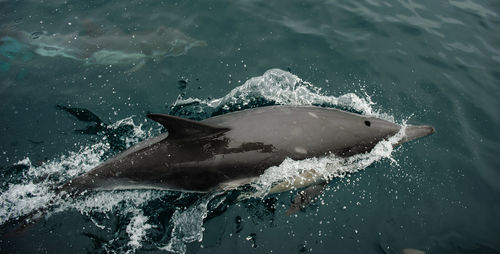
[(406, 62)]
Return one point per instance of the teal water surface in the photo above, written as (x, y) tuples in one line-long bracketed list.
[(420, 62)]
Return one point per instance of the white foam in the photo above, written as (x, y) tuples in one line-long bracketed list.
[(136, 230), (138, 132), (106, 201), (21, 200), (283, 88), (36, 190)]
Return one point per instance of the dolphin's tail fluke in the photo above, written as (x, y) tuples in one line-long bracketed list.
[(413, 132)]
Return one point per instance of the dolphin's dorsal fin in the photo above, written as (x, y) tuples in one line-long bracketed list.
[(184, 128)]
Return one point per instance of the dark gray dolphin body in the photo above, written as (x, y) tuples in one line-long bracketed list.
[(235, 148)]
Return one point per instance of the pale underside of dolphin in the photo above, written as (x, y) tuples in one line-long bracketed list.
[(234, 149), (113, 48)]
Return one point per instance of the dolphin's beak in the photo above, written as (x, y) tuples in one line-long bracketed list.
[(416, 131)]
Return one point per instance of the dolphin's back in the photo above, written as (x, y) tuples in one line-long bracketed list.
[(304, 131)]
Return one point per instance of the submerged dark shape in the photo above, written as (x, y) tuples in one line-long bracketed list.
[(231, 150), (306, 196), (97, 127), (81, 114), (94, 45)]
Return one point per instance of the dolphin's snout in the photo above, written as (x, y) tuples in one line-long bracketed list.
[(416, 131)]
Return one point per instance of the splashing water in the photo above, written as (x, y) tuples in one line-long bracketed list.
[(186, 218), (37, 188), (275, 87), (137, 230), (291, 172), (188, 226)]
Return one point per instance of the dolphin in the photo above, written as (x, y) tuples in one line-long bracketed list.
[(112, 48), (234, 149)]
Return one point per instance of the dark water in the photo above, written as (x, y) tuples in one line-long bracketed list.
[(425, 62)]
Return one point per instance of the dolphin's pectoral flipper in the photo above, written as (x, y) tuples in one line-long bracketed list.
[(179, 128), (306, 196)]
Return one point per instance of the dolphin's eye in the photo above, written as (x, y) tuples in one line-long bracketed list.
[(367, 123)]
